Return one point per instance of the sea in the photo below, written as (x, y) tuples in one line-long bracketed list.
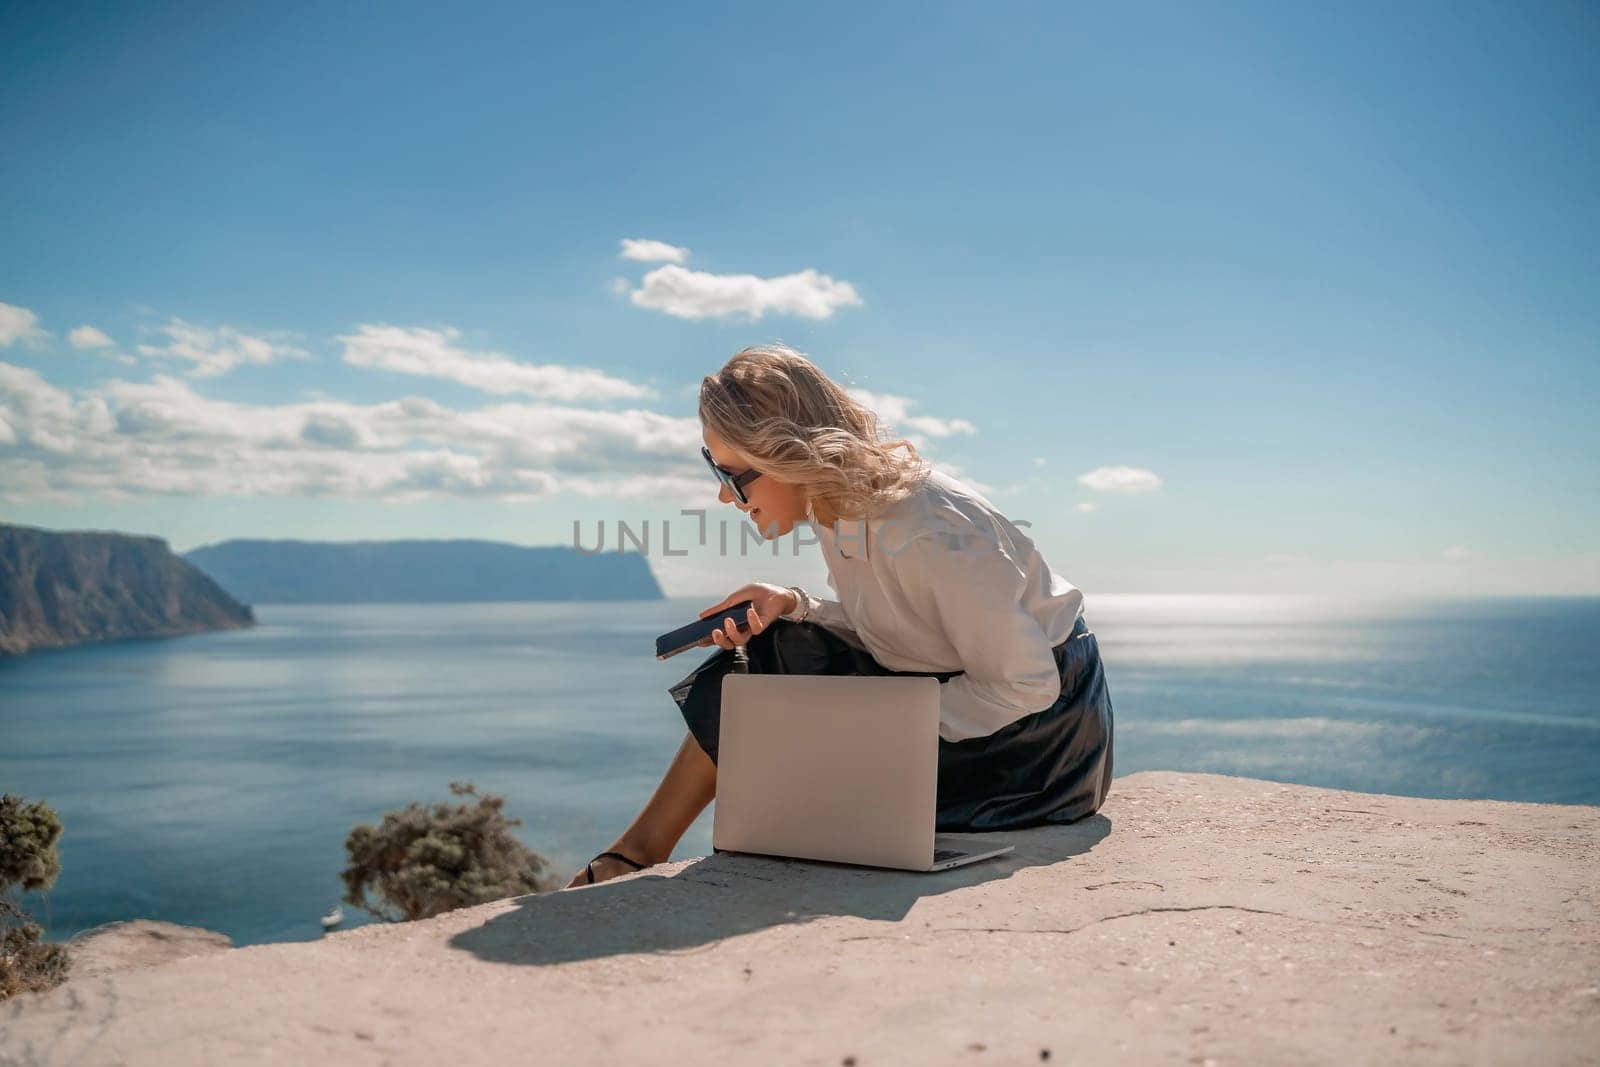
[(212, 780)]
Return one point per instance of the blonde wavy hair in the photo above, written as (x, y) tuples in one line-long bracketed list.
[(774, 405)]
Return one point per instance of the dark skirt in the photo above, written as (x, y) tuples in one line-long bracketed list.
[(1053, 766)]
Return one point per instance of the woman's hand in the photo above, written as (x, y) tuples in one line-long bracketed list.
[(767, 603)]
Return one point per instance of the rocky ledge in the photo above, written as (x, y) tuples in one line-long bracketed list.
[(121, 946), (1197, 919)]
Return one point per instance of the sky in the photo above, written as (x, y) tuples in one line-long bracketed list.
[(1215, 297)]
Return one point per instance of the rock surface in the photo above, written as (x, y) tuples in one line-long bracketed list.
[(121, 946), (69, 588), (1197, 919)]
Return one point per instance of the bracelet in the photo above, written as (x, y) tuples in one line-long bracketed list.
[(802, 604)]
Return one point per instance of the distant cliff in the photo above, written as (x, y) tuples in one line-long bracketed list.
[(67, 588), (429, 572)]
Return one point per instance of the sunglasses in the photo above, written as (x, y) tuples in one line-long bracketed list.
[(734, 482)]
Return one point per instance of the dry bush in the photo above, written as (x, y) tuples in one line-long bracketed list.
[(422, 861), (29, 861)]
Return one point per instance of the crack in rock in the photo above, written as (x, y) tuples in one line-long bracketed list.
[(1147, 911), (1119, 915)]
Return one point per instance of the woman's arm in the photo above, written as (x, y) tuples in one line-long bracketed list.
[(829, 613)]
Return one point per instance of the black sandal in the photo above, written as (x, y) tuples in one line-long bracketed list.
[(589, 867)]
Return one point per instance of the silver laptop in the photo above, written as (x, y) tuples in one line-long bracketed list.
[(842, 768)]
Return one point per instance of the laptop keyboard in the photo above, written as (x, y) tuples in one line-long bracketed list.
[(942, 854)]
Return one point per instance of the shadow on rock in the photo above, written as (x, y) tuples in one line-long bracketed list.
[(728, 894)]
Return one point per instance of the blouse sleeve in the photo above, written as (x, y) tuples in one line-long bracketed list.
[(972, 589), (831, 614)]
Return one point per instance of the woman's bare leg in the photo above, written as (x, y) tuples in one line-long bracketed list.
[(688, 786)]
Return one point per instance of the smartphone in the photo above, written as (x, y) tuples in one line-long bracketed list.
[(686, 637)]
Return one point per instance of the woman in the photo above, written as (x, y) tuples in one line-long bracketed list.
[(930, 580)]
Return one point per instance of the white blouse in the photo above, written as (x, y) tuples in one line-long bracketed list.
[(941, 581)]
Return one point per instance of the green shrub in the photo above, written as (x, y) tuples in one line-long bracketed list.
[(423, 861), (29, 861)]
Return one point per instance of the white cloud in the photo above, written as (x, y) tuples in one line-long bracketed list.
[(1039, 461), (1284, 559), (1457, 552), (646, 251), (934, 426), (1087, 505), (1120, 480), (217, 351), (896, 410), (161, 437), (435, 354), (19, 325), (86, 337), (44, 420), (693, 294)]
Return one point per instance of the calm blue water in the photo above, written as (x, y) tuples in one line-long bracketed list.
[(211, 780)]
